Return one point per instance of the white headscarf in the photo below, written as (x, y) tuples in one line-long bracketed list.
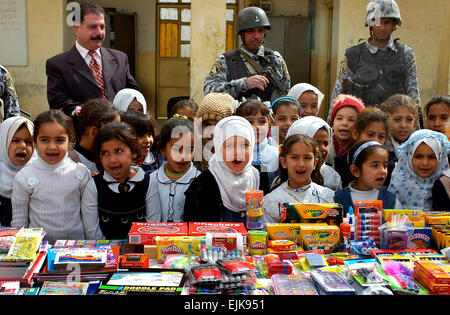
[(124, 97), (297, 90), (308, 126), (232, 185), (7, 169), (413, 191)]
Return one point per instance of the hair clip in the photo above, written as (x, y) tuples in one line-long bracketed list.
[(287, 98), (180, 116), (76, 111), (363, 147)]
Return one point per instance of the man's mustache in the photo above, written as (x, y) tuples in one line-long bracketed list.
[(99, 37)]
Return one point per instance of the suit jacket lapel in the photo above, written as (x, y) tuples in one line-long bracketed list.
[(109, 65), (79, 65)]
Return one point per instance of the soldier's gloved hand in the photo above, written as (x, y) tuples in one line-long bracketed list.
[(257, 81)]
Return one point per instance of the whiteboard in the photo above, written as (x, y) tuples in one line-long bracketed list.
[(13, 33)]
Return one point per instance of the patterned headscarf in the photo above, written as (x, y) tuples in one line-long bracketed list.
[(413, 191)]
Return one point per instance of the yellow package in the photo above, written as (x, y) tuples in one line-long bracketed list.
[(181, 245), (320, 237), (416, 217), (304, 212), (287, 231)]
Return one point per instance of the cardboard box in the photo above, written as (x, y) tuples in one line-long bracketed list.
[(320, 237), (201, 228), (304, 212), (144, 233), (287, 231), (177, 245), (421, 238)]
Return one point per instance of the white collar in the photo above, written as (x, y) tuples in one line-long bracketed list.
[(136, 178), (361, 191), (84, 51), (185, 179)]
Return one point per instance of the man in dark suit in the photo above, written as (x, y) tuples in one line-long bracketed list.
[(88, 70)]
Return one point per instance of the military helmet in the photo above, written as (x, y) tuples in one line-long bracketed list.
[(251, 17), (378, 9)]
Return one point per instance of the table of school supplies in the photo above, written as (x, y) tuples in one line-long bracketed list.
[(197, 259)]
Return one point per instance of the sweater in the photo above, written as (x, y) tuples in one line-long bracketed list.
[(171, 193), (49, 197)]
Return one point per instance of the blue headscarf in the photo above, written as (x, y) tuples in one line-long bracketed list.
[(413, 191)]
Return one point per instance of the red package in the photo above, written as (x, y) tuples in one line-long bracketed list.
[(280, 267)]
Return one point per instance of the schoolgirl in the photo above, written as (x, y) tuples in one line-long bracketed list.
[(16, 150), (265, 154), (47, 192), (144, 127), (218, 194), (317, 129), (344, 112), (299, 158), (119, 194), (213, 108), (422, 161), (370, 124), (93, 115), (368, 162), (184, 108), (437, 112), (169, 183), (403, 117), (130, 99), (309, 97), (285, 111)]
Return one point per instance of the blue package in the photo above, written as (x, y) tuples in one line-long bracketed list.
[(421, 238)]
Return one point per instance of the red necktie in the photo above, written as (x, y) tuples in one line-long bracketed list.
[(97, 72)]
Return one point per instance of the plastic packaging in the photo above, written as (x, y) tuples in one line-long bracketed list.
[(254, 200), (397, 233), (331, 283)]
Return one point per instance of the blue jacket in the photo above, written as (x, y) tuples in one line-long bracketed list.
[(344, 197)]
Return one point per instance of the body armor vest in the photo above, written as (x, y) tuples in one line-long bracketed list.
[(376, 76), (237, 69)]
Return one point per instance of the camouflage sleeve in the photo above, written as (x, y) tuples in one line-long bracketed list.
[(217, 80), (412, 88), (343, 73), (283, 70), (9, 95)]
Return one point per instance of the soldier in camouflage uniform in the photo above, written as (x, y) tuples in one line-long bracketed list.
[(8, 96), (380, 66), (235, 72)]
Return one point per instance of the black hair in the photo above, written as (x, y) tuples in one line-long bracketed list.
[(114, 130), (370, 115), (316, 176), (57, 116), (143, 124), (178, 125), (184, 103), (90, 8), (252, 107), (95, 112), (444, 99)]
